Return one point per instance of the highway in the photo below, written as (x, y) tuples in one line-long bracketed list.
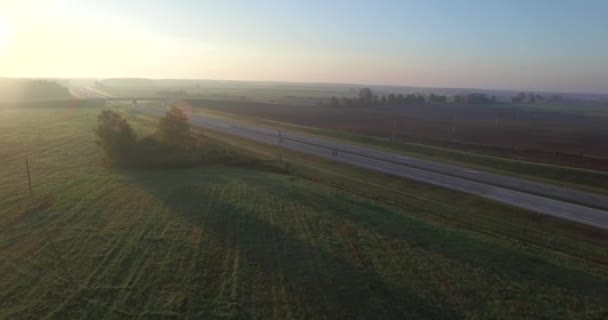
[(578, 206)]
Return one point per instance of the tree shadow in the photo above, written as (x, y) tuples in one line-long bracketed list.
[(459, 246), (320, 283)]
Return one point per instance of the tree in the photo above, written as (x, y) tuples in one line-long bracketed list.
[(520, 98), (460, 99), (411, 99), (334, 102), (115, 136), (433, 98), (366, 97), (540, 98), (555, 98), (383, 100), (478, 98), (43, 89), (420, 99), (400, 99), (391, 98), (174, 129)]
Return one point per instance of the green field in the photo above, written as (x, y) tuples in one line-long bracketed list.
[(232, 242)]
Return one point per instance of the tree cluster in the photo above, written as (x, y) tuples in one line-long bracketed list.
[(171, 144), (115, 137), (172, 94), (530, 97), (42, 89)]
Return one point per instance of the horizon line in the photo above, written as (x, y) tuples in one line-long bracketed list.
[(358, 84)]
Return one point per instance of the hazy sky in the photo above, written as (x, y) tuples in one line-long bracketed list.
[(511, 44)]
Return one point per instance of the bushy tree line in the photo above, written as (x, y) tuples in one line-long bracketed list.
[(474, 98), (368, 98), (42, 89), (170, 145), (27, 90), (531, 97)]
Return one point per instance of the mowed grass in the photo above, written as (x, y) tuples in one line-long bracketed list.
[(227, 242), (586, 180)]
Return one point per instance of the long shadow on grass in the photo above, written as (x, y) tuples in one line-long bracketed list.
[(457, 245), (318, 283)]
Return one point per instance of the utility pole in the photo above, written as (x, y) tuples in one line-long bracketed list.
[(29, 180), (394, 125)]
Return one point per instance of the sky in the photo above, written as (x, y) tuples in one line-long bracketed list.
[(543, 45)]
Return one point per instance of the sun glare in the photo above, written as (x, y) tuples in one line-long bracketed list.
[(5, 33)]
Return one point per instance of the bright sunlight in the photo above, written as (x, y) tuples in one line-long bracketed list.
[(5, 34)]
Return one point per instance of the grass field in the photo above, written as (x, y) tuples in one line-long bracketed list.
[(228, 242)]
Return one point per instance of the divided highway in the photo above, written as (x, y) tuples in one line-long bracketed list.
[(586, 208), (435, 173)]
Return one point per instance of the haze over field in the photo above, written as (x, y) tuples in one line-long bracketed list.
[(341, 159), (520, 45)]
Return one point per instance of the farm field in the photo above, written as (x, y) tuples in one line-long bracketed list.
[(230, 242)]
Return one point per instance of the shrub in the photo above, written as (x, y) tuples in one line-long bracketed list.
[(174, 129), (116, 137)]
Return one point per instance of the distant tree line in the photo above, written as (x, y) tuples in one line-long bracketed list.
[(43, 89), (172, 94), (367, 98), (531, 97)]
